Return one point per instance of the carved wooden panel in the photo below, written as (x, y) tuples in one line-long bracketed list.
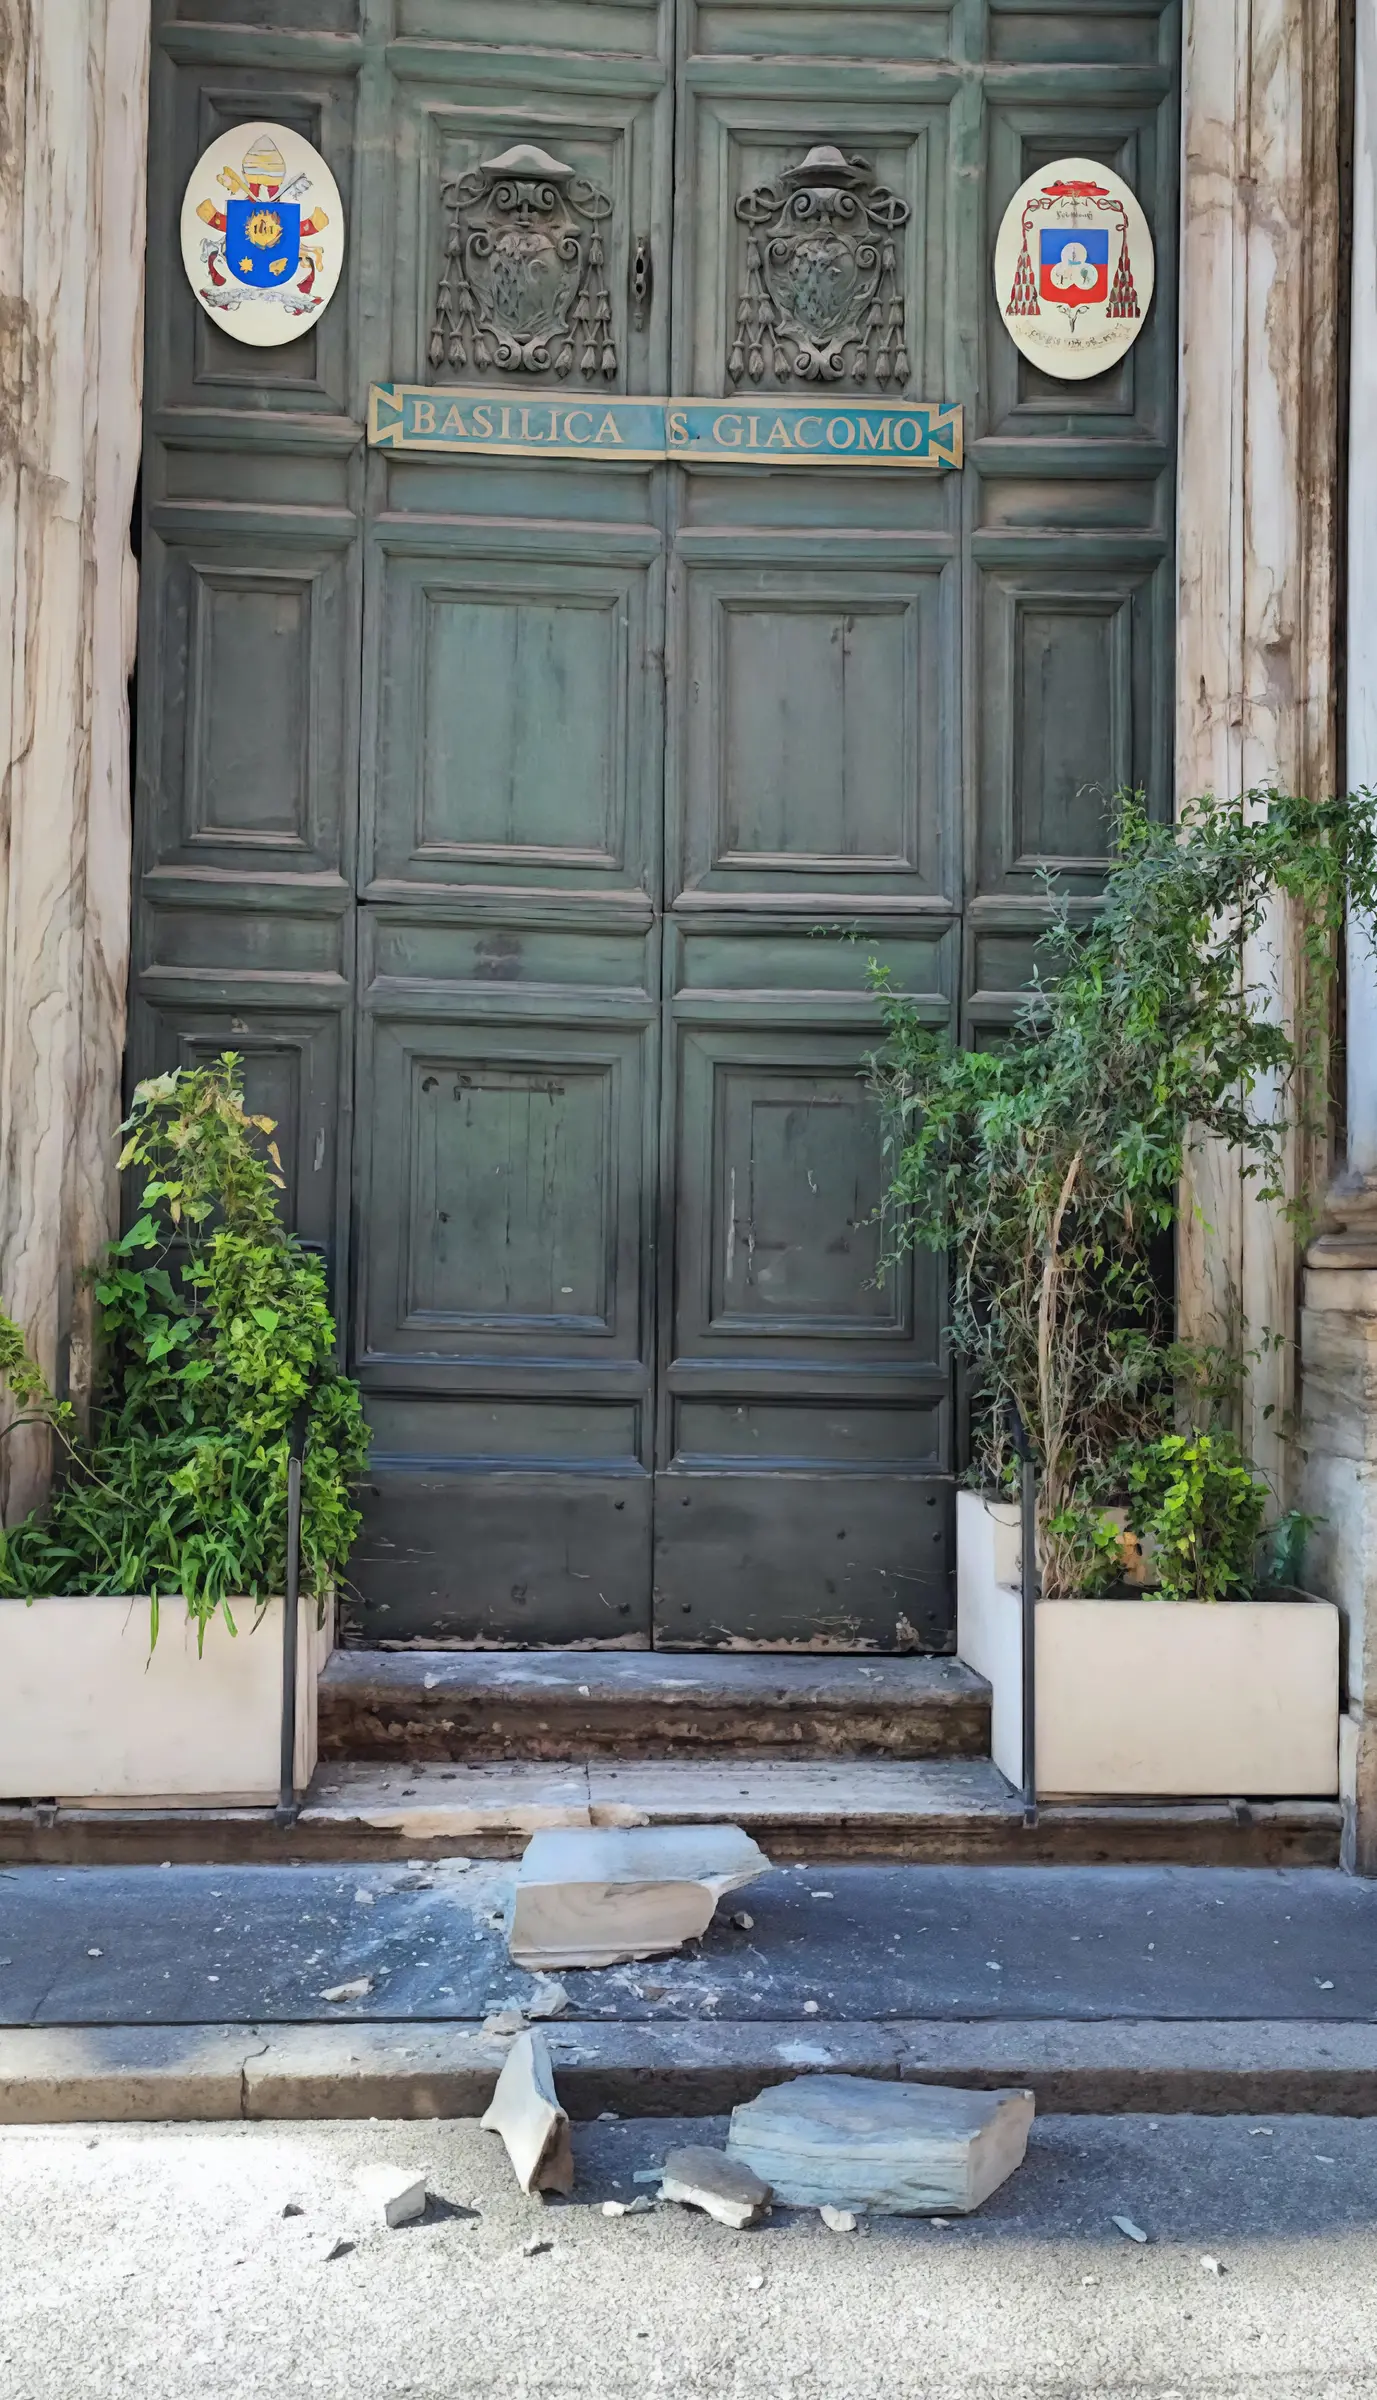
[(1069, 656), (292, 1066), (502, 1177), (512, 719), (253, 749), (809, 263), (815, 732), (522, 211)]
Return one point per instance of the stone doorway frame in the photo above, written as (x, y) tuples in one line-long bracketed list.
[(1257, 579)]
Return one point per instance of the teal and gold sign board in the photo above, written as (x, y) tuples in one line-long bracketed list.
[(792, 433)]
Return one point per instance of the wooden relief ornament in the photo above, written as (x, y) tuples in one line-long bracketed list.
[(524, 283), (821, 300), (263, 233), (1074, 268)]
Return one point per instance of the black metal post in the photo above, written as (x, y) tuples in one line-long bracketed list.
[(287, 1804), (1028, 1589)]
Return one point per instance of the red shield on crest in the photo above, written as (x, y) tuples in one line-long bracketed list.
[(1073, 264)]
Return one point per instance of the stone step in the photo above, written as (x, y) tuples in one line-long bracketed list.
[(937, 1811), (489, 1705), (188, 2074)]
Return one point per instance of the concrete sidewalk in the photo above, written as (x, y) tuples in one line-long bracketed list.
[(197, 1992), (156, 2263)]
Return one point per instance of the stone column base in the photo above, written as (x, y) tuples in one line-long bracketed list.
[(1339, 1479)]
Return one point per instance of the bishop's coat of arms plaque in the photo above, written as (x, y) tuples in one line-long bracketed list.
[(1074, 268)]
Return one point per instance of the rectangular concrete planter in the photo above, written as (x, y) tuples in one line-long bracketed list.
[(89, 1716), (1150, 1699)]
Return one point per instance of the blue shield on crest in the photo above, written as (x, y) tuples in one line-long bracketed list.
[(262, 241)]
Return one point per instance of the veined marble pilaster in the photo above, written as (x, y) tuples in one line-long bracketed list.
[(1257, 549), (72, 178)]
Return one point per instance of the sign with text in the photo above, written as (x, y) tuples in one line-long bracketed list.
[(793, 433)]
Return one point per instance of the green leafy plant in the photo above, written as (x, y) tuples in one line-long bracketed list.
[(1050, 1170), (1196, 1500), (215, 1332), (1091, 1545)]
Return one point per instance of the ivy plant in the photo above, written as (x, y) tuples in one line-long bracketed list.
[(215, 1331), (1196, 1500), (1050, 1170)]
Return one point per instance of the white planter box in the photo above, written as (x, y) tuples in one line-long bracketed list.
[(1150, 1699), (89, 1717)]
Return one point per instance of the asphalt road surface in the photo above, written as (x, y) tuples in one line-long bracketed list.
[(157, 2262)]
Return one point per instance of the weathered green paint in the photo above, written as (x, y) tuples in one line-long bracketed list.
[(492, 806)]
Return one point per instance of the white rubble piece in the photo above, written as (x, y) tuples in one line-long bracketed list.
[(598, 1897), (838, 2220), (504, 2021), (527, 2114), (399, 2193), (885, 2149), (550, 2000), (722, 2187)]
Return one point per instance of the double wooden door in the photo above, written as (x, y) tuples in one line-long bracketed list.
[(528, 822)]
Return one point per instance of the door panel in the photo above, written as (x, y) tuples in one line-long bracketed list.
[(514, 729), (816, 752), (528, 823)]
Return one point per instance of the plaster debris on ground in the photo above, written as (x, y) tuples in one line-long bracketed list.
[(526, 2113), (723, 2187), (397, 2194)]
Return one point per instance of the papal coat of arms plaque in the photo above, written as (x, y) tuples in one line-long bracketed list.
[(1074, 268), (263, 233)]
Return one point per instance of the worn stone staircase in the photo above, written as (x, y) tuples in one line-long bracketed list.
[(819, 1757), (436, 1753)]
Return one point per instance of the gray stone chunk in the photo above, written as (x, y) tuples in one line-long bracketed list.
[(887, 2149), (723, 2187), (594, 1898), (527, 2114)]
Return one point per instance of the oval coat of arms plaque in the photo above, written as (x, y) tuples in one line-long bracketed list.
[(263, 233), (1074, 268)]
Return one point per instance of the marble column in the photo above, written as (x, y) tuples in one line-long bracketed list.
[(1339, 1317), (1257, 541), (73, 88)]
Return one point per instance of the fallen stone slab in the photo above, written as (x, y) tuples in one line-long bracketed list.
[(885, 2149), (593, 1899), (398, 2194), (527, 2114), (722, 2187)]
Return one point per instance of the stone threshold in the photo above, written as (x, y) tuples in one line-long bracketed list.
[(483, 1705), (202, 2073), (944, 1811)]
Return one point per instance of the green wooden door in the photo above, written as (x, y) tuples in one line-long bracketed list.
[(528, 822)]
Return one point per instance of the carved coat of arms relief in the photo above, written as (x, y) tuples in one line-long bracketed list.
[(821, 299), (524, 281)]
